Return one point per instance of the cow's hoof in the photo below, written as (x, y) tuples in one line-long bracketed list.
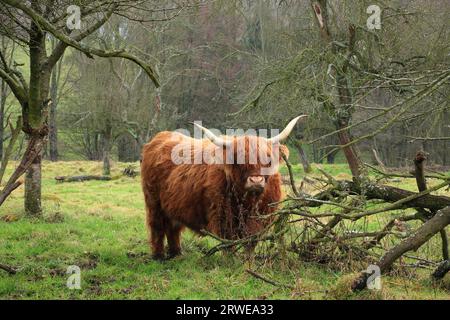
[(173, 254), (158, 256)]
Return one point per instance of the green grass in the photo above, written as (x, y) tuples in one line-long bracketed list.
[(99, 226)]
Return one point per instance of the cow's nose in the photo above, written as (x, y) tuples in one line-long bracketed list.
[(256, 179)]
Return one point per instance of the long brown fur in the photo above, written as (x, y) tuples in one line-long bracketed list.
[(201, 196)]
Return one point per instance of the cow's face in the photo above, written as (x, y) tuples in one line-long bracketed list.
[(251, 160), (255, 159)]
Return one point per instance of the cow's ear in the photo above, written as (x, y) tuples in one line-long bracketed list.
[(284, 150)]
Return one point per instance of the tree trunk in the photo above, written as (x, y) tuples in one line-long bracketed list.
[(2, 117), (33, 188), (106, 160), (53, 134), (3, 96), (331, 156), (127, 149), (107, 137), (34, 114), (345, 100), (419, 165), (316, 155), (343, 111)]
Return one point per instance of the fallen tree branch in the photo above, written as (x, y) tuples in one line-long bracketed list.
[(373, 191), (81, 178), (8, 269), (424, 233), (226, 243), (399, 196)]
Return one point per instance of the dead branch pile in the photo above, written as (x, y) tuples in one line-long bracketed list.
[(354, 224)]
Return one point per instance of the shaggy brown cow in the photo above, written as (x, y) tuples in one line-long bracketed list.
[(223, 197)]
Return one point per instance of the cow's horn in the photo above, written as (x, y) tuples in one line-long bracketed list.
[(218, 141), (286, 131)]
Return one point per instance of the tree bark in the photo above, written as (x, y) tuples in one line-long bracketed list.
[(2, 115), (331, 157), (34, 148), (3, 97), (34, 116), (127, 149), (53, 133), (33, 188), (419, 165), (107, 137)]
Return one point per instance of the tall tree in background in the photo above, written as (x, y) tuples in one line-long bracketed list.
[(29, 23), (6, 51), (341, 111), (55, 88)]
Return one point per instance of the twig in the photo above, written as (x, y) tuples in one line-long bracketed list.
[(291, 175), (404, 175), (272, 282)]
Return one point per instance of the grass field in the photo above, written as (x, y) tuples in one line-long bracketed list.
[(99, 226)]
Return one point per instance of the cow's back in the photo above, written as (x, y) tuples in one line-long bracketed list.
[(157, 163)]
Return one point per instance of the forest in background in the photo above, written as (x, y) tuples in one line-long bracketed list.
[(242, 64)]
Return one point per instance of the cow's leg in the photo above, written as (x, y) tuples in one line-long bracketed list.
[(173, 233), (156, 226), (157, 232)]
